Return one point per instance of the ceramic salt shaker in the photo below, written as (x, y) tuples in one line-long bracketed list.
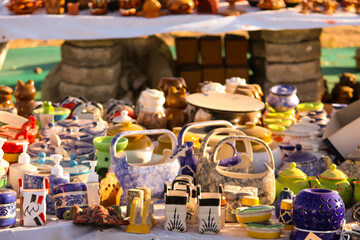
[(7, 207), (68, 194)]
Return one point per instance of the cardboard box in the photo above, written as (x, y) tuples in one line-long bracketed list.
[(236, 49), (210, 50), (214, 74), (342, 132), (187, 50), (192, 75)]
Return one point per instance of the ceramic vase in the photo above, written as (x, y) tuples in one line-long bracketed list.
[(209, 213), (284, 194), (7, 207), (69, 194), (282, 98), (175, 210), (318, 209)]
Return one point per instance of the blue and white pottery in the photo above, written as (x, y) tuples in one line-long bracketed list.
[(282, 98), (7, 207), (152, 174), (35, 181), (68, 194)]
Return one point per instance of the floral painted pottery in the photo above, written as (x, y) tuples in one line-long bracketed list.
[(253, 214), (281, 97), (285, 216), (175, 210), (334, 179), (260, 156), (152, 174), (102, 154), (286, 193), (264, 230), (69, 194), (309, 163), (7, 207), (318, 209), (292, 178), (33, 199)]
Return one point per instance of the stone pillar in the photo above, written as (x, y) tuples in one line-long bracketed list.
[(288, 57)]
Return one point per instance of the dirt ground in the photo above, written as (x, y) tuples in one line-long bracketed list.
[(334, 37)]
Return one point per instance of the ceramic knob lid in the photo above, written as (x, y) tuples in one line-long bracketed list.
[(286, 204), (250, 201), (293, 172), (300, 156), (333, 174)]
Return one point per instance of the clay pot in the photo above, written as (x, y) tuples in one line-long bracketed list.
[(181, 6), (54, 6)]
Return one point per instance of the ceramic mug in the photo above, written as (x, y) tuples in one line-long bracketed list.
[(7, 208)]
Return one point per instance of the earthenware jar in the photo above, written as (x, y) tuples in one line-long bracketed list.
[(334, 179), (151, 113), (317, 210), (286, 193), (69, 194), (25, 97), (292, 178), (5, 99), (102, 154), (7, 207), (282, 97)]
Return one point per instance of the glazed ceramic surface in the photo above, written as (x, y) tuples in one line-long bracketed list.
[(7, 207), (264, 230), (318, 209), (282, 98), (253, 214), (286, 193), (209, 213), (152, 174)]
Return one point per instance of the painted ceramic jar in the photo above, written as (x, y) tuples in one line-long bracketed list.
[(7, 207), (285, 216), (282, 98), (69, 194), (175, 210), (102, 154), (209, 213), (284, 194), (317, 209), (292, 178), (35, 181), (334, 179)]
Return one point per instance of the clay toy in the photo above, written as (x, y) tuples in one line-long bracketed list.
[(25, 97)]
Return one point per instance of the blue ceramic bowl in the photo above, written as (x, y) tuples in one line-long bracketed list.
[(7, 208), (59, 113), (68, 194)]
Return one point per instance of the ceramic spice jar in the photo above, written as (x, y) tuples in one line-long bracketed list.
[(282, 97), (285, 216), (7, 207)]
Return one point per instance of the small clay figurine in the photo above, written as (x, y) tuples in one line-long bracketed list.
[(98, 7), (176, 114), (305, 5), (316, 6), (5, 99), (180, 6), (330, 7), (129, 7), (347, 90), (271, 4), (350, 5), (151, 9), (25, 97), (167, 82), (54, 6), (73, 8), (207, 6)]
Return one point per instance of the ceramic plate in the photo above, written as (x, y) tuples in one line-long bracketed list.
[(235, 103)]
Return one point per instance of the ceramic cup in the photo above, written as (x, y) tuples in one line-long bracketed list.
[(68, 194), (7, 208)]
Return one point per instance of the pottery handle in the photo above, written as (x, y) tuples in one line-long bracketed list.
[(243, 175), (189, 126)]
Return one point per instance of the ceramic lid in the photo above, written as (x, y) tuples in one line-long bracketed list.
[(250, 201), (253, 209), (333, 174), (251, 129), (304, 128), (286, 204), (292, 172), (300, 156), (266, 225), (123, 127), (283, 90)]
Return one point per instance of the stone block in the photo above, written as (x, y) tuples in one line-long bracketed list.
[(90, 76), (98, 93), (210, 50), (236, 49), (90, 56), (286, 72), (285, 36), (94, 43), (187, 50), (50, 86), (286, 53), (308, 91)]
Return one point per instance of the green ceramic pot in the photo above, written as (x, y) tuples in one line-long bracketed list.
[(102, 154)]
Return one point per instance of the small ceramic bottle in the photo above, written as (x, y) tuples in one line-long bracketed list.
[(175, 210), (19, 169), (7, 207), (285, 214), (93, 187), (210, 212), (284, 194)]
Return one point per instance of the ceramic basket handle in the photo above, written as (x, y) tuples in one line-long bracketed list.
[(237, 175), (166, 153), (189, 126)]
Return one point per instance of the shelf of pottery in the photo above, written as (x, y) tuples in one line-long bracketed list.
[(217, 156)]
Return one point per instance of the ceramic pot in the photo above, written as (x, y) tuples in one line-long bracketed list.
[(357, 191), (209, 213), (54, 6), (284, 194), (102, 154), (7, 207), (98, 7), (318, 209), (69, 194), (285, 216), (282, 97), (175, 210), (59, 113)]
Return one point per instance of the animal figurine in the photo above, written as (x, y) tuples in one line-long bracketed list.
[(25, 97), (5, 99), (305, 5), (330, 7), (54, 6), (167, 82), (176, 114)]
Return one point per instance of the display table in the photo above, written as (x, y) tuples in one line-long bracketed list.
[(40, 25), (61, 229)]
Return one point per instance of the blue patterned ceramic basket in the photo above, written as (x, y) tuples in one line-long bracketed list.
[(7, 207), (68, 194)]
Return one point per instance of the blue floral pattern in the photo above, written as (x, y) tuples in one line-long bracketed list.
[(70, 200), (7, 210)]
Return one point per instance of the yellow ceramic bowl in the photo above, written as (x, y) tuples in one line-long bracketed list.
[(253, 214), (264, 230)]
